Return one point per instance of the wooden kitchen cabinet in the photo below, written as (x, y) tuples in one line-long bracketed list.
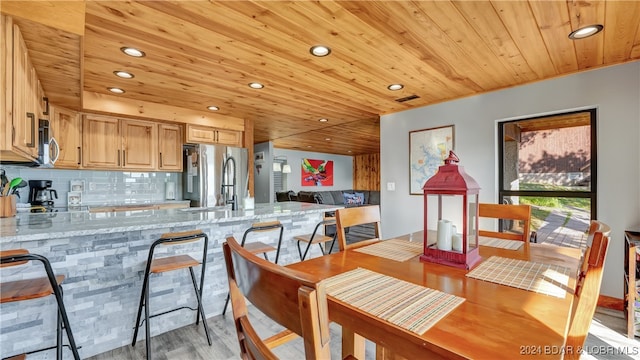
[(197, 134), (111, 143), (66, 128), (22, 99), (101, 142), (139, 144), (170, 147)]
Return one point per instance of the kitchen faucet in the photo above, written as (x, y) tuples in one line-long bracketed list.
[(225, 187)]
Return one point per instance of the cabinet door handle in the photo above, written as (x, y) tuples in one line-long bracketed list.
[(46, 105), (160, 159), (79, 155), (33, 130), (124, 159), (217, 136), (118, 157)]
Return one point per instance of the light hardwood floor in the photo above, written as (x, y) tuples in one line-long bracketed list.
[(606, 341), (190, 342)]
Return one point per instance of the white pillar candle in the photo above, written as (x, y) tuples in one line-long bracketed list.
[(444, 235), (456, 242)]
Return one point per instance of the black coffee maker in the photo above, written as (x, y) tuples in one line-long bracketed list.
[(41, 194)]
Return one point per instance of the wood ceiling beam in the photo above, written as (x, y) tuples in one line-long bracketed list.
[(63, 15), (114, 105)]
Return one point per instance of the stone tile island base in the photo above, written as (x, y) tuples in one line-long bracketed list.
[(103, 261)]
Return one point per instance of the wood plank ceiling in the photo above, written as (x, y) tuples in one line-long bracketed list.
[(201, 53)]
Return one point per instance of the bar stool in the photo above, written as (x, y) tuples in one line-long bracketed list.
[(316, 238), (258, 247), (176, 262), (37, 288)]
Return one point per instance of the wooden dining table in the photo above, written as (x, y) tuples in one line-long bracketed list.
[(494, 321)]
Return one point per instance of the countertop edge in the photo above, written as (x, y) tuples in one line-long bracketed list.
[(108, 226)]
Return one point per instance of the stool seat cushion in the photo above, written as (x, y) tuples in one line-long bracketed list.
[(27, 289), (160, 265), (319, 238), (258, 247)]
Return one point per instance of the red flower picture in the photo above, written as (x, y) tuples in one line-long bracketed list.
[(317, 172)]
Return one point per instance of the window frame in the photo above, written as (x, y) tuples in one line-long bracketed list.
[(591, 194)]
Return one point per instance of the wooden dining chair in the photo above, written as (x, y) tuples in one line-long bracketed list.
[(597, 226), (507, 212), (361, 215), (294, 299), (586, 295)]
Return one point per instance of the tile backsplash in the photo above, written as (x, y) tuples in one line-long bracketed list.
[(100, 187)]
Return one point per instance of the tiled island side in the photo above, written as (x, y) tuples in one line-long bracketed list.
[(103, 255)]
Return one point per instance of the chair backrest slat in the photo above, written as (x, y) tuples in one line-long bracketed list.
[(294, 299), (586, 295), (507, 212), (353, 216), (182, 237), (10, 253)]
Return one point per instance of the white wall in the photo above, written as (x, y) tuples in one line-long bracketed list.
[(264, 193), (614, 91), (342, 170)]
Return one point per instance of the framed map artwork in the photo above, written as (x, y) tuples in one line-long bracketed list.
[(427, 150)]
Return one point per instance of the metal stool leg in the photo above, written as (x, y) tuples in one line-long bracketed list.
[(145, 283), (333, 242), (59, 336), (57, 291), (147, 327), (279, 243), (226, 303), (299, 251), (200, 309)]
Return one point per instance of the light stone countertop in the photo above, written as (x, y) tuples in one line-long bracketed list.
[(41, 226)]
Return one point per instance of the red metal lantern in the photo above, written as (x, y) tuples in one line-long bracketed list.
[(452, 237)]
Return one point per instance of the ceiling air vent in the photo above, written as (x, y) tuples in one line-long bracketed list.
[(407, 98)]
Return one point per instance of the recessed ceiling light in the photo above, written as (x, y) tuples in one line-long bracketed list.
[(132, 51), (255, 85), (585, 32), (308, 146), (327, 139), (320, 50), (124, 74), (323, 120), (116, 90), (213, 108), (394, 87), (349, 151)]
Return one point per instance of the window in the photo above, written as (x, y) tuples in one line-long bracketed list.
[(550, 163), (279, 181)]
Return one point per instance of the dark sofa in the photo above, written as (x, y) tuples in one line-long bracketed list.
[(336, 197)]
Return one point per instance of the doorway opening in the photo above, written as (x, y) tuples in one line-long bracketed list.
[(550, 163)]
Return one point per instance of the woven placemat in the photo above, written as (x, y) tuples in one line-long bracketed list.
[(394, 249), (500, 243), (412, 307), (541, 278)]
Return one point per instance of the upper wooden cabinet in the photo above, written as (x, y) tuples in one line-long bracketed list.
[(101, 142), (139, 144), (22, 98), (197, 134), (111, 143), (66, 128), (170, 147)]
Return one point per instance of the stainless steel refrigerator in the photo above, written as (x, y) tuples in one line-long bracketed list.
[(215, 175)]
